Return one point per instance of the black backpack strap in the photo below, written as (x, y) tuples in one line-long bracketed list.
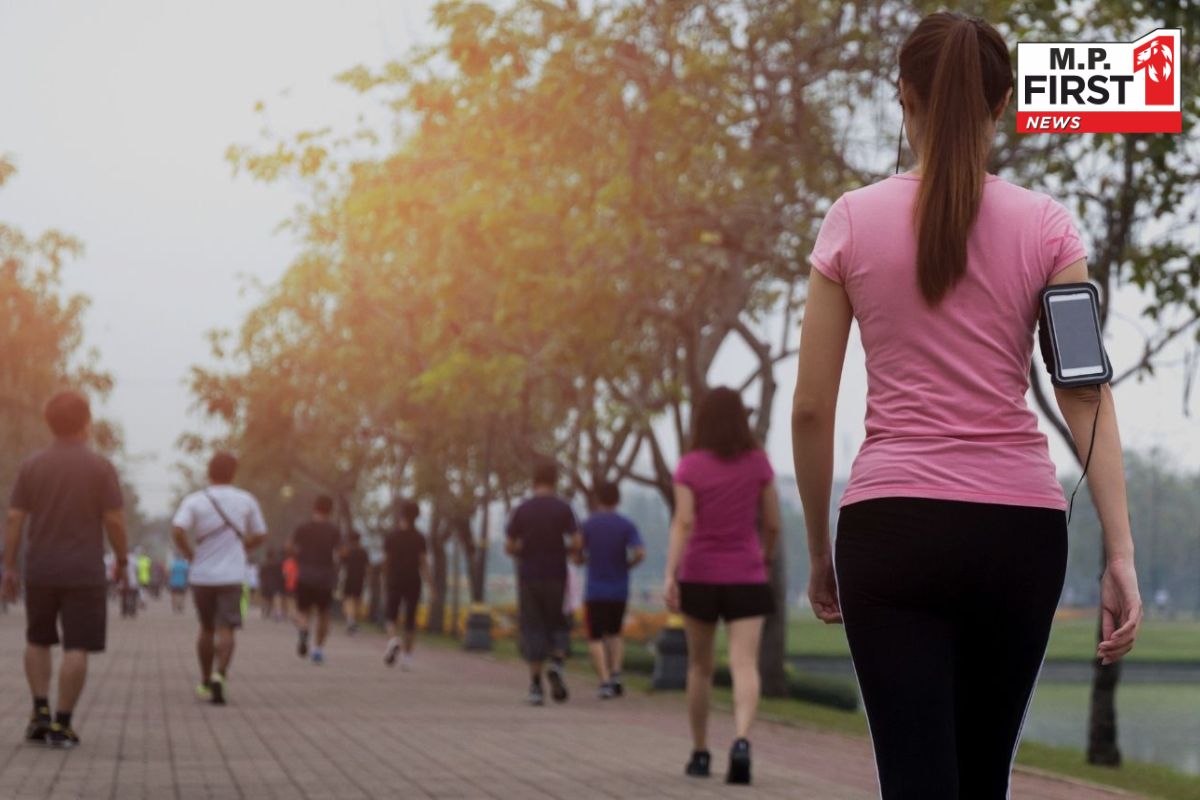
[(224, 517)]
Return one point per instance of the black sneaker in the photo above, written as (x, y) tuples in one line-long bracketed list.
[(302, 644), (536, 696), (558, 689), (739, 763), (38, 728), (62, 736), (618, 688), (700, 764)]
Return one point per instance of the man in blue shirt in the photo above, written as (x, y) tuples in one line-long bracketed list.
[(611, 547)]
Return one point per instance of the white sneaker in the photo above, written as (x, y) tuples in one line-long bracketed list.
[(406, 662), (393, 650)]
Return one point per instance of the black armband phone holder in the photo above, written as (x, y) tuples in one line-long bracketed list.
[(1069, 335)]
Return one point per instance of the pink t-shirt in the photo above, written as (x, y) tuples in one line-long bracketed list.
[(724, 546), (946, 411)]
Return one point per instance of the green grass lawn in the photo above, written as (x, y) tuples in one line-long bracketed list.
[(1158, 640)]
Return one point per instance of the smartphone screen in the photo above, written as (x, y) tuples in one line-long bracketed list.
[(1076, 334)]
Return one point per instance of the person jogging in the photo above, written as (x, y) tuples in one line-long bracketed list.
[(213, 529), (64, 500), (406, 566), (177, 582), (354, 578), (951, 540), (537, 536), (315, 544), (611, 547), (717, 566)]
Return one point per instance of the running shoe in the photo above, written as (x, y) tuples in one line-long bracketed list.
[(318, 657), (617, 687), (62, 736), (558, 688), (606, 692), (536, 696), (406, 662), (739, 763), (352, 628), (204, 692), (700, 764), (393, 650), (217, 687), (39, 727), (302, 644)]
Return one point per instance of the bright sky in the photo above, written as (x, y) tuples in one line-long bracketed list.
[(118, 115)]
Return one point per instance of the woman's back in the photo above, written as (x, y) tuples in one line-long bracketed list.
[(946, 384)]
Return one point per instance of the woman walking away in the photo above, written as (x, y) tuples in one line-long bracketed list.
[(952, 537), (717, 565)]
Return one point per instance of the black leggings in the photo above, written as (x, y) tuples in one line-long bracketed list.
[(947, 607)]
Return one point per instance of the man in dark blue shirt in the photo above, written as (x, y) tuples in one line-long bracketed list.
[(611, 547), (538, 534)]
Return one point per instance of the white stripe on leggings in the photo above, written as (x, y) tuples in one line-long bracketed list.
[(1028, 702)]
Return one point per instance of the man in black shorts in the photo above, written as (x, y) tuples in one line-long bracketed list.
[(69, 496), (537, 535), (405, 566), (354, 566), (315, 544)]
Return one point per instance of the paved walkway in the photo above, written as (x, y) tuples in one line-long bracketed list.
[(352, 728)]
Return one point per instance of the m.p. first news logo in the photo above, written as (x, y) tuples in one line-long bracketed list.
[(1105, 87)]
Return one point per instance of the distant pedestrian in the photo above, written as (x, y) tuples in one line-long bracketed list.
[(178, 583), (131, 590), (611, 547), (354, 578), (64, 500), (290, 573), (213, 529), (145, 574), (270, 579), (537, 537), (717, 565), (405, 567), (315, 544)]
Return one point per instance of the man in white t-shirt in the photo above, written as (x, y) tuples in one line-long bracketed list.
[(213, 529)]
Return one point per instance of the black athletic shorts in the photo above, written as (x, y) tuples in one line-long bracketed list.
[(709, 602), (352, 589), (309, 597), (604, 618), (406, 593), (218, 606), (82, 611)]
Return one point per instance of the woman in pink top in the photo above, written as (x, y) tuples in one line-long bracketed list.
[(717, 565), (952, 541)]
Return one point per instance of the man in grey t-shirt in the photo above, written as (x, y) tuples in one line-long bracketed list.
[(64, 500)]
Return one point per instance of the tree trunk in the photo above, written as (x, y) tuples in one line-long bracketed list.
[(772, 653), (436, 622)]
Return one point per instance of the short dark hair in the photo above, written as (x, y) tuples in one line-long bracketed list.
[(222, 467), (545, 473), (67, 413), (722, 425), (608, 493), (409, 511), (323, 504)]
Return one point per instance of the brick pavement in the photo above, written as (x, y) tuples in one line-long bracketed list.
[(452, 728)]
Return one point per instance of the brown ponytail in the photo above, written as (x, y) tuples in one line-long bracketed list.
[(959, 71)]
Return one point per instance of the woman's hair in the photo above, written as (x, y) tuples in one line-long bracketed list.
[(959, 72), (722, 425)]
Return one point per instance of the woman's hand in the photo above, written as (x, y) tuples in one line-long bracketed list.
[(670, 592), (822, 591), (1120, 610)]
